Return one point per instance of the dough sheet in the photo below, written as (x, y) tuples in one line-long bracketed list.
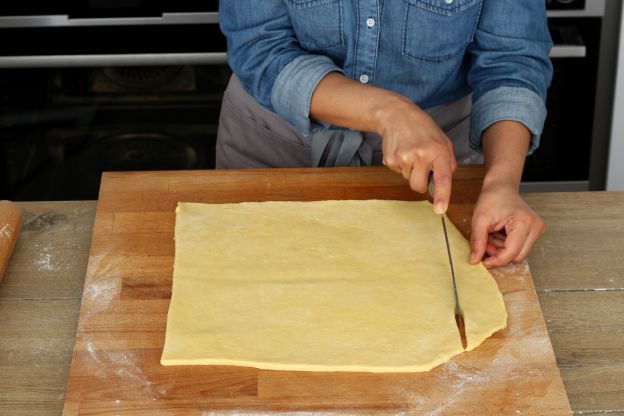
[(323, 286)]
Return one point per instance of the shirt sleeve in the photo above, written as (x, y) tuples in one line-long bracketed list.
[(511, 69), (264, 52)]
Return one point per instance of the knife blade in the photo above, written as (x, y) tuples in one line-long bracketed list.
[(459, 319)]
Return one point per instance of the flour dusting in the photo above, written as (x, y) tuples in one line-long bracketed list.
[(45, 259), (103, 282), (461, 380), (520, 269), (45, 262)]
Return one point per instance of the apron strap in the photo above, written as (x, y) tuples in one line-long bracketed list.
[(334, 148)]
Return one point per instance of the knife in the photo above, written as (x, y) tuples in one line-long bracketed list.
[(459, 319)]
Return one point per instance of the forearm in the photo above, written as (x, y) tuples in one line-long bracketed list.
[(341, 101), (505, 145)]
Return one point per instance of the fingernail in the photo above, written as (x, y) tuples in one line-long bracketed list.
[(439, 208)]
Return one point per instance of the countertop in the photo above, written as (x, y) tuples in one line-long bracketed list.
[(577, 266)]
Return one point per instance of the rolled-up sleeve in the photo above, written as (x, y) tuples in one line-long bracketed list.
[(265, 54), (293, 88), (511, 70)]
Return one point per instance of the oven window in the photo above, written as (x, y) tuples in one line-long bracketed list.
[(61, 128), (107, 40)]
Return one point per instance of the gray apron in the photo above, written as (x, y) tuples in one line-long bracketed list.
[(250, 136)]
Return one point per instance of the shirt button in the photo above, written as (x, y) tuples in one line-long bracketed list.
[(363, 78), (448, 1), (370, 22)]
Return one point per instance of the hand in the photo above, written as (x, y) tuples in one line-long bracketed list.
[(414, 146), (503, 227)]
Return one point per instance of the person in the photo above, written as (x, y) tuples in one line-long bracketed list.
[(414, 84)]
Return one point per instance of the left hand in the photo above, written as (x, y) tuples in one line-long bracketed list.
[(503, 227)]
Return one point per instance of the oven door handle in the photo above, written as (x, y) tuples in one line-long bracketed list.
[(60, 20), (56, 61), (210, 58), (568, 51)]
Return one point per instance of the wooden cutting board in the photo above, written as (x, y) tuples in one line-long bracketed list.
[(116, 370)]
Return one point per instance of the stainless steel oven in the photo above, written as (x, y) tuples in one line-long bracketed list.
[(100, 85), (104, 85), (109, 32), (569, 157)]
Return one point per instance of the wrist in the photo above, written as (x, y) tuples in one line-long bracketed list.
[(500, 178), (505, 144), (387, 106)]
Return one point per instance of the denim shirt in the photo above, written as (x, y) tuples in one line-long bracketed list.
[(431, 51)]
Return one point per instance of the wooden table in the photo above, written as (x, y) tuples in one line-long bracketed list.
[(577, 267)]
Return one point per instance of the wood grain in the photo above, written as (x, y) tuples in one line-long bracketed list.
[(589, 345), (39, 306), (36, 340), (51, 254), (579, 273), (115, 366), (580, 228)]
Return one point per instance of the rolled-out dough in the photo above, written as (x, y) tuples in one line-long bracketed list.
[(323, 286)]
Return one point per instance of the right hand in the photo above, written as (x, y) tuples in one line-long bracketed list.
[(414, 146)]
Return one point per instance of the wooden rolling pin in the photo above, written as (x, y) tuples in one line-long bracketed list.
[(10, 223)]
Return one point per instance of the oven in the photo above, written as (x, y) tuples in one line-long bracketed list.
[(564, 159), (109, 32), (88, 86)]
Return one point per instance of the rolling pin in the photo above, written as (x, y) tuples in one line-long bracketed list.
[(10, 223)]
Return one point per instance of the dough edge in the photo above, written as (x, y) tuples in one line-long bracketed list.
[(310, 367)]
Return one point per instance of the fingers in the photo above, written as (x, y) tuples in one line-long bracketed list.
[(495, 244), (391, 164), (442, 178), (503, 227), (418, 148), (478, 238), (503, 249), (534, 234), (406, 171), (417, 173), (419, 181), (514, 243), (497, 240), (453, 160), (491, 250)]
